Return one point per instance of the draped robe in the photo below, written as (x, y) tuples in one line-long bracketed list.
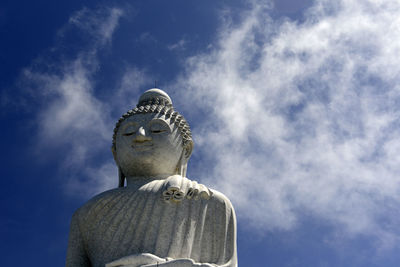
[(126, 221)]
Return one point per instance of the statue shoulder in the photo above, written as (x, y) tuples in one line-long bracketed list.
[(95, 203), (220, 198)]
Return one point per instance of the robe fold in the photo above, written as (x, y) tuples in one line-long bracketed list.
[(123, 222)]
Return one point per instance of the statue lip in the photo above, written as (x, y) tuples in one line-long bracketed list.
[(142, 146)]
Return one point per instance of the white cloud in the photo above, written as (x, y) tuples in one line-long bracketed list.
[(100, 23), (131, 86), (304, 117), (93, 180), (180, 45), (148, 38), (73, 120), (298, 117), (288, 6)]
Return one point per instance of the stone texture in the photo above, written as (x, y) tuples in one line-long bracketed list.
[(161, 218)]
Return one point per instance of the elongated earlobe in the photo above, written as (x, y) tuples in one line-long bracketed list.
[(182, 165), (188, 149), (181, 169), (121, 178)]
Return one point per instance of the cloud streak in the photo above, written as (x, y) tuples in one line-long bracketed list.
[(304, 117), (73, 119), (292, 118)]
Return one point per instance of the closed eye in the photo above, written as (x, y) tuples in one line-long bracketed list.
[(157, 131), (128, 134)]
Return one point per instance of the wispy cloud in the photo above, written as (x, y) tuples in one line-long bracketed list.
[(72, 117), (148, 38), (180, 45), (304, 117), (131, 86), (292, 117), (100, 23)]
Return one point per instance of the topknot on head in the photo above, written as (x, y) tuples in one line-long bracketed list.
[(157, 101), (155, 96)]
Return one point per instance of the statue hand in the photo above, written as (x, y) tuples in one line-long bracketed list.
[(174, 189), (196, 190), (178, 187), (179, 263), (136, 260)]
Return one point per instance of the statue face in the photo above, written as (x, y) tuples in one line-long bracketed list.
[(148, 145)]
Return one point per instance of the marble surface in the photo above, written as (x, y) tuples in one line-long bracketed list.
[(160, 218)]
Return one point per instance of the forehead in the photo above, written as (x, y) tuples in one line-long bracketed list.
[(144, 118)]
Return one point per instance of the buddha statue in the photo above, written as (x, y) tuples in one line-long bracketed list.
[(157, 216)]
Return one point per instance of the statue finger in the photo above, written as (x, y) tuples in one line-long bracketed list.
[(205, 265), (204, 192), (167, 195), (172, 189), (190, 191), (174, 182), (173, 263), (136, 260), (124, 261), (153, 257), (186, 185), (195, 190), (178, 196)]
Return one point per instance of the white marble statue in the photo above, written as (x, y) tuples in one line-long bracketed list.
[(160, 218)]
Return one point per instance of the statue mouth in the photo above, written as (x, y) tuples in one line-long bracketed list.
[(142, 146)]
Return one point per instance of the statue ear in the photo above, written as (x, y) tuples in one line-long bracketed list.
[(182, 164), (121, 176), (114, 153), (187, 150)]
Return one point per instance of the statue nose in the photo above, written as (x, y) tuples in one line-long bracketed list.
[(142, 136)]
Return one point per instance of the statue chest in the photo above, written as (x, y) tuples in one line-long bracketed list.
[(138, 222)]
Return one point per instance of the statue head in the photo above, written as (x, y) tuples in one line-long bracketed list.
[(152, 139)]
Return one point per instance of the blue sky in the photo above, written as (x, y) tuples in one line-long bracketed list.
[(294, 109)]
